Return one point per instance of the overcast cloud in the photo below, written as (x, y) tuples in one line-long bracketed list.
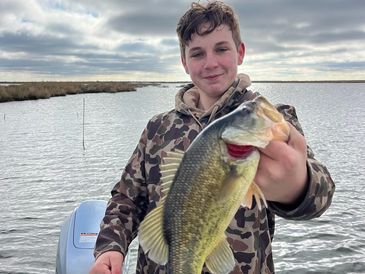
[(136, 40)]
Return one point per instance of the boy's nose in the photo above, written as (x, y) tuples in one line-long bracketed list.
[(211, 61)]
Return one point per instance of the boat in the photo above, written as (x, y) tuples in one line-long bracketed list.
[(77, 240)]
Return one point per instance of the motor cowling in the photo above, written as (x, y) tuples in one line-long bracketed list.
[(77, 238)]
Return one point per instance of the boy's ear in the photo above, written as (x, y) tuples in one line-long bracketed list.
[(183, 62), (241, 53)]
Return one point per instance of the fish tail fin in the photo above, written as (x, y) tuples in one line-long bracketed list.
[(254, 191)]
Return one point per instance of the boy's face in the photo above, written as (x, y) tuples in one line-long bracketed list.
[(211, 61)]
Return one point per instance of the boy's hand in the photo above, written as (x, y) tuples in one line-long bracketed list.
[(282, 172), (108, 263)]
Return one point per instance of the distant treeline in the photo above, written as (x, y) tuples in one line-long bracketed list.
[(43, 90)]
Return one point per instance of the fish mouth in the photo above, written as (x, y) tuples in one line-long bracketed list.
[(239, 151)]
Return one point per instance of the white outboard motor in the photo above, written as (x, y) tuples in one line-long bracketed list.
[(78, 237)]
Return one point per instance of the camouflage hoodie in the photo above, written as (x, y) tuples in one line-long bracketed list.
[(250, 232)]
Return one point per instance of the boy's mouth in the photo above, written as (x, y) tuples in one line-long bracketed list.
[(212, 77)]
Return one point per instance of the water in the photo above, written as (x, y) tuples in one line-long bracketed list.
[(45, 173)]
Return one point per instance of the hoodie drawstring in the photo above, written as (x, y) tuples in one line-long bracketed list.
[(211, 117), (212, 114), (196, 119)]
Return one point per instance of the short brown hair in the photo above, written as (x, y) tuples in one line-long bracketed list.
[(214, 13)]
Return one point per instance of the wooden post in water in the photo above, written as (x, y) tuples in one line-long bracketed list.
[(83, 123)]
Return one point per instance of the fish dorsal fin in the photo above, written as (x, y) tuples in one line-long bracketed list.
[(151, 238), (168, 169), (254, 191), (174, 155), (221, 260), (150, 233)]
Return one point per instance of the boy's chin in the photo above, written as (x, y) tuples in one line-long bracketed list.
[(216, 88), (214, 91)]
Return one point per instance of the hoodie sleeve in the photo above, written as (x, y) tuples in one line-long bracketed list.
[(320, 186), (127, 205)]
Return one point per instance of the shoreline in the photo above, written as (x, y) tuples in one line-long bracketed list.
[(21, 91)]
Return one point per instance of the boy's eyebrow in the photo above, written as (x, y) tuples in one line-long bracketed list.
[(216, 44), (195, 48), (222, 43)]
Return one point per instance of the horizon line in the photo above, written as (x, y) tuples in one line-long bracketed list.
[(162, 81)]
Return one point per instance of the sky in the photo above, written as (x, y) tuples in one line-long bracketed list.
[(68, 40)]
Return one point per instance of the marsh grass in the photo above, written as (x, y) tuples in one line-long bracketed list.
[(43, 90)]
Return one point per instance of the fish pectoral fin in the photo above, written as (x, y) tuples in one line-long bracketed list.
[(151, 238), (221, 260), (254, 191)]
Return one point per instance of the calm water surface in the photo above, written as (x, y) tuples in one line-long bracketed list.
[(45, 173)]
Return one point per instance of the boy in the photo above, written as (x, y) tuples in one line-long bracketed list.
[(294, 183)]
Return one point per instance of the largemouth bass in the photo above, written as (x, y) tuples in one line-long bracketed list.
[(204, 187)]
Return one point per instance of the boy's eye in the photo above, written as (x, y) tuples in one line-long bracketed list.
[(196, 54), (221, 49)]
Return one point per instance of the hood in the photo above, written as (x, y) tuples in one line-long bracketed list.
[(187, 99)]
